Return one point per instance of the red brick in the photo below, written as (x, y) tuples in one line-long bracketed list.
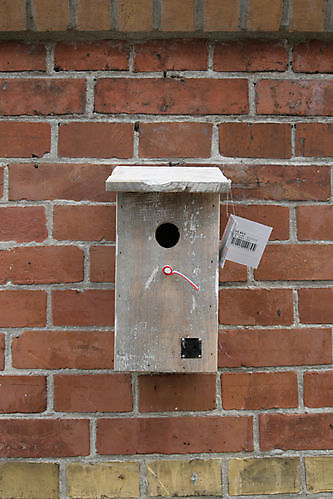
[(51, 16), (315, 222), (296, 431), (39, 96), (274, 216), (314, 139), (254, 391), (35, 181), (296, 262), (295, 97), (251, 55), (63, 350), (22, 394), (96, 140), (93, 393), (92, 307), (177, 392), (314, 56), (2, 351), (24, 140), (258, 140), (85, 223), (178, 19), (221, 15), (18, 56), (232, 272), (41, 265), (106, 55), (135, 16), (275, 182), (274, 347), (171, 96), (44, 438), (171, 55), (318, 389), (179, 435), (22, 224), (93, 16), (307, 15), (256, 306), (12, 15), (165, 140), (264, 16), (21, 308), (315, 305), (102, 263)]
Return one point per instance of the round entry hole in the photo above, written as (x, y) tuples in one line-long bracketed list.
[(167, 235)]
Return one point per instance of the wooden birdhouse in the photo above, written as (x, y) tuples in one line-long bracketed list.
[(167, 267)]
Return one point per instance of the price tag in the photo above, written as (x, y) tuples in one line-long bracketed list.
[(243, 241)]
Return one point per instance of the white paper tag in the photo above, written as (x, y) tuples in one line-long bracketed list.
[(243, 241)]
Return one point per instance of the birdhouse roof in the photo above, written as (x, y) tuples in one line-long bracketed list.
[(167, 179)]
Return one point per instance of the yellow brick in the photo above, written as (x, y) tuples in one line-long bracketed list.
[(221, 15), (184, 478), (93, 15), (135, 15), (264, 476), (176, 18), (12, 15), (114, 479), (27, 480), (307, 15), (319, 474), (263, 15), (50, 15)]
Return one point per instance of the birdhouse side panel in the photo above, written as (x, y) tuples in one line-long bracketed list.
[(163, 322)]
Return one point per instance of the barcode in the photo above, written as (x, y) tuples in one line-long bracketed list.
[(243, 244)]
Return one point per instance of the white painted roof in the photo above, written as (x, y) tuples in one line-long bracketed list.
[(167, 179)]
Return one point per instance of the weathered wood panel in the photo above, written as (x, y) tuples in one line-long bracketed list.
[(166, 179), (153, 311)]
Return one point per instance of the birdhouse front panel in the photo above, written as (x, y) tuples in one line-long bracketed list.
[(167, 267), (166, 281)]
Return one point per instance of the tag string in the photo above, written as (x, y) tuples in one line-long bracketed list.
[(231, 202)]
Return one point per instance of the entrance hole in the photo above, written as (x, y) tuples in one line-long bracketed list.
[(167, 235)]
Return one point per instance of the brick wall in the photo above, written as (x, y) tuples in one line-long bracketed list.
[(70, 427), (160, 17)]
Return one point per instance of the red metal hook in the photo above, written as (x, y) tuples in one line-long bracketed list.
[(167, 270)]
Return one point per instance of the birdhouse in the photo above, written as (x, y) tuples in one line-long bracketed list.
[(167, 267)]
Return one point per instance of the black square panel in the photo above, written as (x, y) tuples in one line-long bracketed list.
[(191, 348)]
